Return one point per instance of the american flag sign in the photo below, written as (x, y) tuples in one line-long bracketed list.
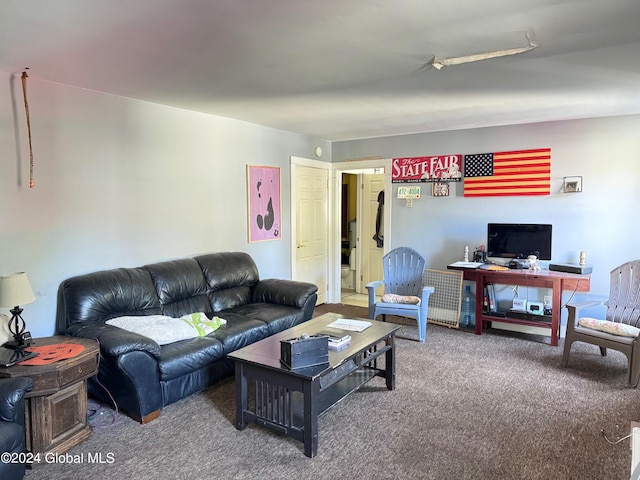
[(522, 172)]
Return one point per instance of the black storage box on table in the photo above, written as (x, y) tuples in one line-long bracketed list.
[(306, 351)]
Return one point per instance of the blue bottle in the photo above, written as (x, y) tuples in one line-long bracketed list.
[(468, 309)]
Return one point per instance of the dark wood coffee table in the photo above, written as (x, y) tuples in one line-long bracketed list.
[(290, 401)]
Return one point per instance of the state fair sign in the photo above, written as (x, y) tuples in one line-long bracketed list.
[(444, 168)]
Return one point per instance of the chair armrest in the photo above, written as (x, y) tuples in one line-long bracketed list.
[(372, 286), (371, 291), (114, 341), (426, 291), (283, 292), (12, 392), (575, 309)]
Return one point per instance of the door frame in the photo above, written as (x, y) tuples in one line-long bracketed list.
[(378, 165), (382, 165)]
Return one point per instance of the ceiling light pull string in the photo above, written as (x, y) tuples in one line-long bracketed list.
[(26, 109)]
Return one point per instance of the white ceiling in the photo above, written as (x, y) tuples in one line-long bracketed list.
[(338, 69)]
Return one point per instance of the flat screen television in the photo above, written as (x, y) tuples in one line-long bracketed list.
[(519, 240)]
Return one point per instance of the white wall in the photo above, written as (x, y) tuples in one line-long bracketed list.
[(122, 183), (601, 220)]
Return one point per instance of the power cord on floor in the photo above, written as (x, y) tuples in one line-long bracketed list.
[(98, 415), (604, 435)]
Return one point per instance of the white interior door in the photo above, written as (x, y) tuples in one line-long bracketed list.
[(312, 234), (371, 255)]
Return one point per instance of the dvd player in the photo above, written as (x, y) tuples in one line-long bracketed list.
[(519, 264), (569, 268), (498, 313), (529, 316)]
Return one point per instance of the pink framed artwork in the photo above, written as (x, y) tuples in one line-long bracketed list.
[(263, 191)]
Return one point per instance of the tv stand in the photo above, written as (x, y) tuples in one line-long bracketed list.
[(557, 281)]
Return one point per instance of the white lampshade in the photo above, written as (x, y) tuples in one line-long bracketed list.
[(15, 290)]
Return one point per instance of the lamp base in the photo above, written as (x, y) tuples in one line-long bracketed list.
[(19, 342), (18, 327)]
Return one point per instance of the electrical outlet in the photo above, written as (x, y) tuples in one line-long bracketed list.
[(547, 299)]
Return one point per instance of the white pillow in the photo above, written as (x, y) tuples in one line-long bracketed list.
[(159, 328)]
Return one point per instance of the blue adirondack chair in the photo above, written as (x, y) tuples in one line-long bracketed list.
[(403, 269)]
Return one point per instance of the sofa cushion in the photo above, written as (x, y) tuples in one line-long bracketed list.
[(181, 358), (278, 317), (240, 331), (614, 328), (100, 296), (228, 269), (230, 278), (229, 298), (180, 286)]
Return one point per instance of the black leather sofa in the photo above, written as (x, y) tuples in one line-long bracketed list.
[(142, 377), (12, 426)]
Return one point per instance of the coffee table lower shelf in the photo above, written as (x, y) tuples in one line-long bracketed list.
[(326, 399)]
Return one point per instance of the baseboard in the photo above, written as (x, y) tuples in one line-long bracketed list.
[(513, 327)]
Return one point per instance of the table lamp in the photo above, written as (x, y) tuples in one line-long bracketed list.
[(15, 290)]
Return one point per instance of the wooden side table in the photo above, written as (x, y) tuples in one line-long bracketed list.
[(56, 408)]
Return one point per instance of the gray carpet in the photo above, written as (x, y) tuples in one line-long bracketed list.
[(496, 406)]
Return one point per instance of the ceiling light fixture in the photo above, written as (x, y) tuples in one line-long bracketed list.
[(439, 62)]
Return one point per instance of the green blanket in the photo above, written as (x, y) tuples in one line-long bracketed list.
[(202, 324)]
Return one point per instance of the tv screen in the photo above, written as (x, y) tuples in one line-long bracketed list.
[(519, 240)]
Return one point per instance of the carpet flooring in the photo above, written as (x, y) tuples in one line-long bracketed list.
[(495, 406)]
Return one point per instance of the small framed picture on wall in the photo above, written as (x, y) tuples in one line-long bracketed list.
[(572, 184), (439, 189), (264, 203)]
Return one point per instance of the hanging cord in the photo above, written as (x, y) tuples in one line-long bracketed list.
[(26, 109)]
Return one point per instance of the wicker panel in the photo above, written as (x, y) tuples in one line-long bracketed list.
[(445, 302)]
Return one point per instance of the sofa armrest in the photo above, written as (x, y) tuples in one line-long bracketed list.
[(283, 292), (12, 392), (114, 341)]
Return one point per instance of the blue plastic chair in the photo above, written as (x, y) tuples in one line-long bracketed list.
[(403, 270)]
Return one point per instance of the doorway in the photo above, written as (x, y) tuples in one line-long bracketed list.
[(348, 234), (362, 227), (332, 261), (361, 256)]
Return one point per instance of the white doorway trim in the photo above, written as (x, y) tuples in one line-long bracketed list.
[(335, 186)]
